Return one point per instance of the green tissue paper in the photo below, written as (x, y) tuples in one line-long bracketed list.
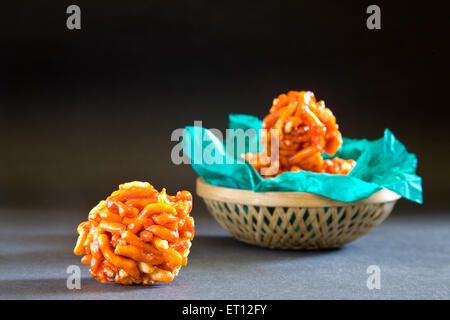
[(382, 163)]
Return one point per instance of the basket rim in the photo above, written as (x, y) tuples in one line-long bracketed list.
[(283, 198)]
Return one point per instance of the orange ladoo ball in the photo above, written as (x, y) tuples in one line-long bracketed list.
[(306, 129), (137, 235)]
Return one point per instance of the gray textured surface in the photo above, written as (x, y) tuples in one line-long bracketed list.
[(413, 253)]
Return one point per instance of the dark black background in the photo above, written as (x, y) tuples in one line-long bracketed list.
[(82, 111)]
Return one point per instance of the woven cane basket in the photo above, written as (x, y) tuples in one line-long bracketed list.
[(294, 220)]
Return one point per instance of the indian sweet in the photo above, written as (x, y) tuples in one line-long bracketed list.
[(137, 235), (305, 129)]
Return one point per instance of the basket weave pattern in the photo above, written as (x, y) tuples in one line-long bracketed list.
[(298, 227)]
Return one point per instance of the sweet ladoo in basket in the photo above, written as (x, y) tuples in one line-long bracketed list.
[(305, 129), (308, 187)]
